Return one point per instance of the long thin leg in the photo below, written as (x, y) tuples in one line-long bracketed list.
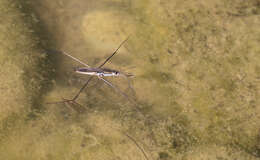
[(85, 85), (103, 62), (77, 95), (82, 88), (113, 53), (114, 87), (118, 90), (75, 59), (128, 81), (64, 101), (106, 81), (87, 82)]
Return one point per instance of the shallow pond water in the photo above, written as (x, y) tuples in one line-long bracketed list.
[(196, 81)]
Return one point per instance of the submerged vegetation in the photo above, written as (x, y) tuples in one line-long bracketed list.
[(196, 67), (24, 66)]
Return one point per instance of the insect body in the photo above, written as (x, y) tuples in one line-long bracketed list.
[(98, 72)]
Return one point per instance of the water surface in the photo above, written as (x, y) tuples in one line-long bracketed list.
[(196, 67)]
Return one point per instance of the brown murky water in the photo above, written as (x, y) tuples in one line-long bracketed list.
[(196, 67)]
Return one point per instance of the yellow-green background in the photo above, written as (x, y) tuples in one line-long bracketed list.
[(197, 78)]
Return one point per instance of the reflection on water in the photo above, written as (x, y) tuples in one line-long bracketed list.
[(196, 76)]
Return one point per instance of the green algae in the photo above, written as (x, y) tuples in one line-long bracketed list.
[(196, 81)]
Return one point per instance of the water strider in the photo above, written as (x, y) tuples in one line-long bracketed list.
[(99, 72)]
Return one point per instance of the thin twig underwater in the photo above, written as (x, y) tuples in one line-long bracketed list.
[(137, 145), (100, 72)]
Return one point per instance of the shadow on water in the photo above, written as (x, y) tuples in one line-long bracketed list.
[(64, 21), (177, 54), (196, 70), (42, 64)]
